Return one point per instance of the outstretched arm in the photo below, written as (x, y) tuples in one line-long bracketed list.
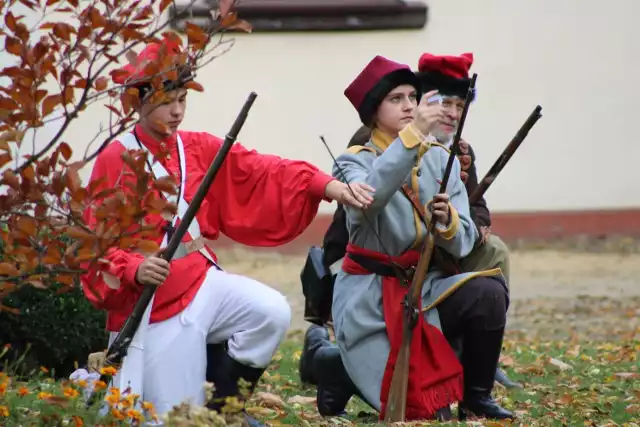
[(265, 200), (385, 172)]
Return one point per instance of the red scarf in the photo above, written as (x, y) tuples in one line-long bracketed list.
[(435, 374)]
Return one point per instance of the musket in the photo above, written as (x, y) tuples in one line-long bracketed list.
[(118, 349), (504, 158), (397, 401)]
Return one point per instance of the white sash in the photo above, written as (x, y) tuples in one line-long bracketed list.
[(130, 143)]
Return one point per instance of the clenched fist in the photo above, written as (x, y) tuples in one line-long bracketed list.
[(428, 115), (152, 271), (440, 209)]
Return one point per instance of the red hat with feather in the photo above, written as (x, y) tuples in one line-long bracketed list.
[(447, 74), (152, 62)]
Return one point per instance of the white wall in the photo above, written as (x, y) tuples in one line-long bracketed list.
[(574, 57)]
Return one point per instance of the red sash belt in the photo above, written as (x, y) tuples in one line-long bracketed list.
[(435, 374)]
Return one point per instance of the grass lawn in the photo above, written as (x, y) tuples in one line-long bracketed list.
[(568, 383), (573, 340)]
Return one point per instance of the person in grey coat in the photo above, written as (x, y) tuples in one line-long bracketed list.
[(386, 96)]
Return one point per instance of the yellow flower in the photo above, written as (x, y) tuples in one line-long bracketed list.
[(129, 400), (113, 398), (3, 388), (4, 411), (71, 392), (44, 395), (147, 406), (116, 413), (82, 383), (78, 420), (136, 415), (100, 385), (109, 370), (44, 370), (23, 391)]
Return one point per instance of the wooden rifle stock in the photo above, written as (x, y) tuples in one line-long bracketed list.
[(397, 401), (118, 349), (504, 158)]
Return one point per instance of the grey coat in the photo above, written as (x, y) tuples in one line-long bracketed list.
[(386, 165)]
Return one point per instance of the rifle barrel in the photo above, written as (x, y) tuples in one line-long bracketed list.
[(504, 158)]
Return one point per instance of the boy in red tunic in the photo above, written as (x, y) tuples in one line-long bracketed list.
[(256, 199)]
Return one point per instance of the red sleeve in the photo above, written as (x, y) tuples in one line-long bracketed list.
[(122, 287), (265, 200)]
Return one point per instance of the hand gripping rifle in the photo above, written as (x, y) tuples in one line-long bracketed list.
[(118, 349), (504, 158), (397, 402)]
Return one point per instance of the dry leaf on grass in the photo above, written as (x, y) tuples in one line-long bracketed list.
[(269, 400), (302, 400), (560, 364)]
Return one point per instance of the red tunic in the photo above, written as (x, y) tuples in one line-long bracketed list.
[(255, 199)]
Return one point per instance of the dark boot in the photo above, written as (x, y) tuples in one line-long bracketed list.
[(502, 378), (444, 414), (480, 361), (226, 373), (335, 387), (314, 338)]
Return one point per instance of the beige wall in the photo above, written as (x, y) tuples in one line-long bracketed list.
[(574, 57)]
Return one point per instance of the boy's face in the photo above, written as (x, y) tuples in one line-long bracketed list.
[(165, 118)]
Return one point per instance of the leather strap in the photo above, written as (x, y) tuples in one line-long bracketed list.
[(419, 207)]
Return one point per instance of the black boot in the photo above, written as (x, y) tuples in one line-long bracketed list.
[(314, 338), (226, 373), (335, 387), (502, 378), (443, 414), (480, 360)]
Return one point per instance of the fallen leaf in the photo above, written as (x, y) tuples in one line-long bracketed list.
[(560, 364), (626, 375), (261, 411), (301, 400), (507, 361), (269, 400)]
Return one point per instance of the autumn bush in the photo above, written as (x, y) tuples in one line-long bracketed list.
[(60, 67)]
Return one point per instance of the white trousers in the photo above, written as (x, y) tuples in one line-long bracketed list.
[(253, 317)]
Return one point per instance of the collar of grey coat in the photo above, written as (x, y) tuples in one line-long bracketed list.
[(380, 139)]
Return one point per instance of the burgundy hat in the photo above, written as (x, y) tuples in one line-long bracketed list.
[(374, 82), (448, 74)]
